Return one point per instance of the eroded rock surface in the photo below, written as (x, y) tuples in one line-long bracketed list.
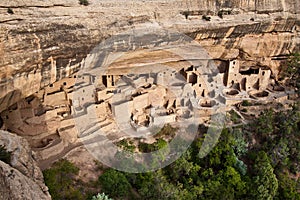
[(44, 41), (22, 179)]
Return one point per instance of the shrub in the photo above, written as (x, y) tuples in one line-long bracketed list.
[(114, 183), (126, 145), (206, 18), (246, 103), (5, 155), (234, 117), (101, 197), (60, 179), (84, 2), (147, 148), (10, 11), (167, 130)]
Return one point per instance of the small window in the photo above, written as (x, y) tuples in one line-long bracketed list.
[(263, 73), (51, 85), (65, 83), (82, 99), (234, 62)]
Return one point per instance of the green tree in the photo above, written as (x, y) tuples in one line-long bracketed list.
[(287, 187), (60, 179), (290, 71), (265, 124), (265, 183), (114, 183)]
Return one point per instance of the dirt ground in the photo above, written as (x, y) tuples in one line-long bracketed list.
[(90, 168)]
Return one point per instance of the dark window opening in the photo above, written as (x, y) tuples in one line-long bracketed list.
[(1, 122), (250, 71), (104, 80), (243, 84), (192, 78)]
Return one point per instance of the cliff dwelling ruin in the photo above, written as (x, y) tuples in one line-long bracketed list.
[(132, 101)]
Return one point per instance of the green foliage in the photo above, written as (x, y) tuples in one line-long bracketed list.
[(287, 187), (291, 71), (101, 196), (5, 155), (126, 145), (84, 2), (60, 179), (241, 167), (246, 103), (278, 135), (240, 145), (265, 124), (114, 183), (147, 148), (234, 117), (265, 181), (167, 130), (236, 168)]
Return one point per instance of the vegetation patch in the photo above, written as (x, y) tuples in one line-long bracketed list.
[(84, 2), (127, 145), (10, 11), (114, 183), (166, 132), (147, 148), (62, 183), (234, 117), (290, 72)]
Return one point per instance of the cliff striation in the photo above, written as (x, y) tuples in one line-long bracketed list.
[(44, 41)]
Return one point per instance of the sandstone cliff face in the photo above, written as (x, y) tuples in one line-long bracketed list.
[(44, 41), (23, 179)]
